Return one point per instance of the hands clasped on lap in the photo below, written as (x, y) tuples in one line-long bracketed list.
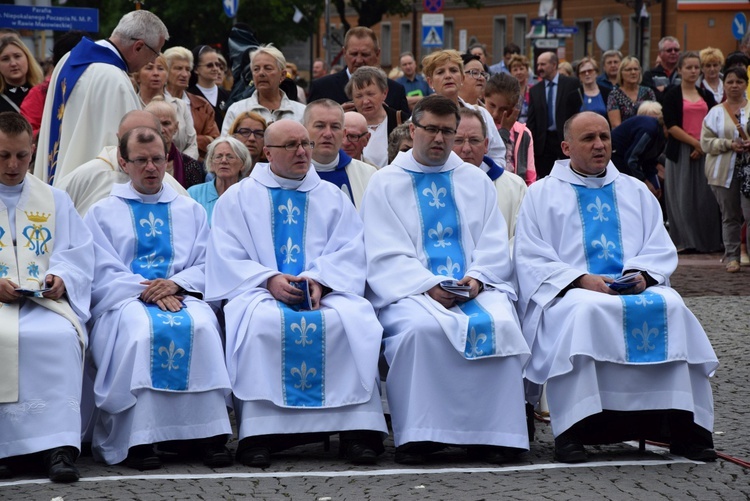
[(281, 288), (162, 293)]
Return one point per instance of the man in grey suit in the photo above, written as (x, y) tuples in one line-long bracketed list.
[(546, 122)]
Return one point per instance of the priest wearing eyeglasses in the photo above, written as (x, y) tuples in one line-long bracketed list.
[(300, 370)]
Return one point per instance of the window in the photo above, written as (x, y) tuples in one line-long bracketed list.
[(582, 41), (405, 38), (498, 39), (519, 33), (634, 42), (385, 44), (448, 34)]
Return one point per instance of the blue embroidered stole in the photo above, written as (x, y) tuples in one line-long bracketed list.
[(82, 55), (441, 238), (495, 170), (645, 314), (339, 177), (302, 332), (171, 332)]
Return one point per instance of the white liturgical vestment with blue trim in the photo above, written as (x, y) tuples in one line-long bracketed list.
[(160, 375), (570, 225), (424, 225), (295, 372)]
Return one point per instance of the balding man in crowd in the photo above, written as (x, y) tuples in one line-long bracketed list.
[(356, 135)]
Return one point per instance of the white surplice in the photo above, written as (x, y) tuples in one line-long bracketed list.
[(47, 414), (241, 258), (131, 412), (99, 100), (429, 377), (577, 340)]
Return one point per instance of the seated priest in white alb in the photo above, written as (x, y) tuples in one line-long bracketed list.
[(324, 120), (156, 345), (45, 251), (455, 361), (623, 359), (300, 371)]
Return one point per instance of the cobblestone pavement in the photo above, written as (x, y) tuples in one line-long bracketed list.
[(617, 472)]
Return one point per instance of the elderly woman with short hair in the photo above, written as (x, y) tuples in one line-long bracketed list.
[(367, 89), (179, 65), (229, 160), (268, 66), (712, 60)]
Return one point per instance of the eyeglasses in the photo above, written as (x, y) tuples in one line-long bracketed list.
[(143, 162), (433, 130), (476, 74), (245, 132), (308, 145), (211, 65), (586, 72), (147, 45), (228, 157), (353, 138), (473, 141), (672, 49)]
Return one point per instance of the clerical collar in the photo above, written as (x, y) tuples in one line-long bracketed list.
[(287, 184), (148, 199), (111, 45), (581, 174), (16, 188), (329, 167)]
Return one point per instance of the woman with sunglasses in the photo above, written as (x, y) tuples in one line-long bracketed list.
[(203, 80), (591, 96), (249, 128)]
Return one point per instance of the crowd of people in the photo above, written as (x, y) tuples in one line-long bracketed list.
[(461, 236)]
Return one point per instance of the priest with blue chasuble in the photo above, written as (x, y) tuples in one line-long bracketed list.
[(156, 345), (622, 361), (302, 343), (455, 362)]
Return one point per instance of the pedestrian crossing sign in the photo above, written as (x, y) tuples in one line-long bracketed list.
[(432, 36)]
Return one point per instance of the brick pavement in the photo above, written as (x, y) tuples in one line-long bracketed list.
[(617, 472)]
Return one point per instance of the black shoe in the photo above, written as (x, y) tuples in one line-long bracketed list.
[(409, 458), (60, 463), (257, 457), (693, 452), (143, 457), (494, 454), (359, 453), (568, 449), (216, 455), (5, 471), (414, 453)]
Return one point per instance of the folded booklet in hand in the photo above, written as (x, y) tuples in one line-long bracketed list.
[(453, 287), (625, 282), (306, 303), (32, 293)]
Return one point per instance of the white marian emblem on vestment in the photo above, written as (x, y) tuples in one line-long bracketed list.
[(449, 267), (440, 233), (474, 339), (152, 261), (605, 245), (288, 250), (153, 224), (642, 300), (302, 327), (171, 355), (170, 319), (290, 210), (303, 372), (436, 194), (599, 207), (645, 334)]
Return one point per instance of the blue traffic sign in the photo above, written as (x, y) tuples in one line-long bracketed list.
[(230, 7), (739, 26), (563, 30), (432, 36), (26, 17)]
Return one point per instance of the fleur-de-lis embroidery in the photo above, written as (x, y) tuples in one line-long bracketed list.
[(645, 334), (642, 300), (599, 207), (605, 245), (435, 193), (449, 268), (153, 224), (152, 261), (290, 210), (303, 327), (33, 269), (170, 319), (303, 372), (440, 233), (288, 251), (171, 355), (3, 269), (474, 339)]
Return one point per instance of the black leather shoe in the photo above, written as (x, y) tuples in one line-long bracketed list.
[(568, 449), (143, 457), (5, 471), (216, 455), (357, 452), (60, 463), (257, 457), (409, 458), (494, 454), (693, 452)]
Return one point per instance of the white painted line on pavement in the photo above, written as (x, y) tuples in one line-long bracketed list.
[(363, 473)]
